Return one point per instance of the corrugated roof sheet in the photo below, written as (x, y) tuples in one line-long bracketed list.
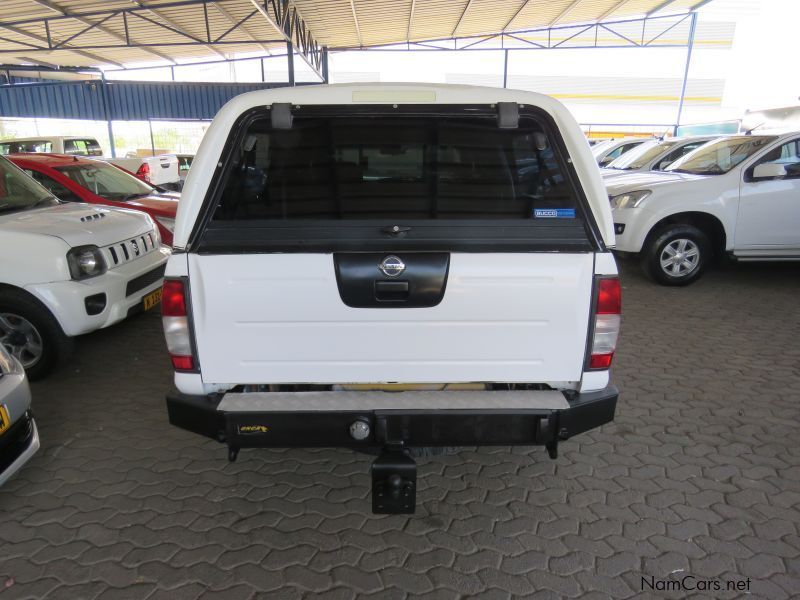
[(176, 30)]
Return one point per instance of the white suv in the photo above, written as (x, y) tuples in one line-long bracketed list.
[(392, 267), (68, 269), (738, 195)]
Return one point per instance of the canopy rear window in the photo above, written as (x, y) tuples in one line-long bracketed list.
[(386, 167)]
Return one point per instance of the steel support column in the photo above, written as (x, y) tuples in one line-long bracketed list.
[(107, 111), (505, 68), (692, 27), (290, 59)]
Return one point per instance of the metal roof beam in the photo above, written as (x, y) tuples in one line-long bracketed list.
[(37, 61), (461, 18), (615, 8), (661, 6), (65, 13), (355, 21), (43, 40), (290, 24), (515, 15), (564, 12), (173, 25), (410, 20), (243, 29), (699, 4)]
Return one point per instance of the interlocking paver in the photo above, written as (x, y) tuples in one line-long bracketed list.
[(699, 474)]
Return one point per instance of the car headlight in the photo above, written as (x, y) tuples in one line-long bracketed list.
[(168, 224), (8, 364), (629, 199), (85, 262)]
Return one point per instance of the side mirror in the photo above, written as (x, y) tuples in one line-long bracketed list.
[(769, 171)]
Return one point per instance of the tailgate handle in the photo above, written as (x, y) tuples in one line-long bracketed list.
[(391, 291)]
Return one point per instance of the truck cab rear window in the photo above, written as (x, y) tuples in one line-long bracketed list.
[(395, 168)]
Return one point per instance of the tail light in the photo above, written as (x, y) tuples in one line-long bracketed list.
[(143, 172), (607, 316), (176, 325)]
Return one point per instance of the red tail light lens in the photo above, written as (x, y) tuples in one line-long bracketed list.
[(607, 317), (176, 325), (183, 363), (143, 172), (173, 299), (609, 297)]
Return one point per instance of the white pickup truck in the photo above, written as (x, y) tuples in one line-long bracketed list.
[(739, 195), (388, 268)]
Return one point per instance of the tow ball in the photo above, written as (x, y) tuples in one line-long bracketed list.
[(394, 484)]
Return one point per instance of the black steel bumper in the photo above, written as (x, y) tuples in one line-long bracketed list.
[(403, 428)]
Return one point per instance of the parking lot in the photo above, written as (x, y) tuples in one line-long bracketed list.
[(697, 476)]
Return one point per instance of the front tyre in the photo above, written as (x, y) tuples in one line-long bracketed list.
[(676, 255), (31, 334)]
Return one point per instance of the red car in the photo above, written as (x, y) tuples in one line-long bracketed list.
[(80, 179)]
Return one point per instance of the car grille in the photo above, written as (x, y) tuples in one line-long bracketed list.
[(141, 282), (129, 250)]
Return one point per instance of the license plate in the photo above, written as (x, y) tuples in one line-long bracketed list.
[(152, 299), (5, 420)]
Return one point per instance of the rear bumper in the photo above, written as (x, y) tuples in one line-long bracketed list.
[(295, 424)]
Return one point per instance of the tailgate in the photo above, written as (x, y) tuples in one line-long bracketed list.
[(280, 318), (163, 169)]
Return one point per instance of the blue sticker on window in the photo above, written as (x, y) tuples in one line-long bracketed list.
[(554, 213)]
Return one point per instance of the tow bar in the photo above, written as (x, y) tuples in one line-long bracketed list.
[(394, 483)]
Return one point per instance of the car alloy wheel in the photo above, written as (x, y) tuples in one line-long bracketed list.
[(21, 338), (680, 257)]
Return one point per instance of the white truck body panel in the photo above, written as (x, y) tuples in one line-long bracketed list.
[(278, 318)]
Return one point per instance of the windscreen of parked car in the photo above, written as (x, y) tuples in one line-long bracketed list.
[(641, 156), (25, 146), (600, 147), (84, 147), (720, 156), (106, 180), (20, 192)]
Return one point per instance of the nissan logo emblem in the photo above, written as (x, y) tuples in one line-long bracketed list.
[(392, 266)]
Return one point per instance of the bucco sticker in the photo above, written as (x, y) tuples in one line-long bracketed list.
[(554, 213)]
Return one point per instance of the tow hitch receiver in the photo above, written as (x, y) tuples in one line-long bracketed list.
[(394, 484)]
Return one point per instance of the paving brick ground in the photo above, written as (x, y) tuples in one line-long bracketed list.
[(699, 475)]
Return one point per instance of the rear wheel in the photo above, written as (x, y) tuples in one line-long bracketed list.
[(676, 255), (31, 334)]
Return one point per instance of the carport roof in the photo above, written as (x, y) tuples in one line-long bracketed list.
[(122, 32)]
